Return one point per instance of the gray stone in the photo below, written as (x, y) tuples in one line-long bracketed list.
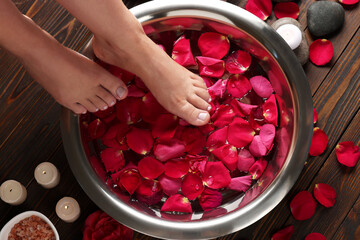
[(325, 18), (301, 52)]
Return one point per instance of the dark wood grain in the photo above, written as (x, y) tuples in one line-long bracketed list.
[(30, 133)]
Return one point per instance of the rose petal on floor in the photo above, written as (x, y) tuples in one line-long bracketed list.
[(258, 168), (257, 147), (213, 45), (238, 62), (149, 192), (130, 179), (181, 52), (347, 153), (176, 168), (286, 9), (170, 185), (113, 159), (321, 52), (315, 236), (210, 67), (210, 199), (303, 206), (150, 167), (168, 149), (245, 160), (96, 129), (223, 116), (315, 116), (216, 175), (240, 184), (165, 126), (139, 140), (325, 194), (240, 133), (192, 186), (261, 86), (218, 89), (260, 8), (283, 234), (228, 155), (348, 2), (217, 138), (238, 86), (318, 143), (177, 203), (267, 135), (270, 110)]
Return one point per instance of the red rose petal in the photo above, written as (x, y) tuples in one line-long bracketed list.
[(165, 126), (261, 86), (107, 114), (228, 155), (197, 163), (149, 102), (96, 129), (192, 186), (325, 194), (223, 116), (210, 67), (170, 185), (347, 153), (315, 116), (181, 52), (140, 84), (128, 110), (124, 75), (130, 179), (270, 110), (218, 89), (210, 199), (245, 160), (217, 138), (242, 109), (303, 206), (150, 168), (139, 140), (149, 192), (168, 149), (321, 52), (286, 9), (134, 91), (240, 184), (194, 140), (283, 234), (216, 175), (260, 8), (318, 143), (257, 147), (258, 168), (208, 81), (98, 167), (177, 203), (240, 133), (348, 2), (176, 168), (315, 236), (238, 62), (114, 134), (213, 45), (113, 159), (267, 135), (238, 86)]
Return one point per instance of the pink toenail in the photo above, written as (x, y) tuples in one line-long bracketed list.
[(209, 100), (209, 108), (84, 112), (96, 110), (112, 103), (120, 92), (105, 107), (202, 116)]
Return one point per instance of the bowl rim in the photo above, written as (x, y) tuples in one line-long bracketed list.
[(4, 233), (266, 201)]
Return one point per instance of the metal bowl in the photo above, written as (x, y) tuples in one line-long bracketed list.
[(293, 135)]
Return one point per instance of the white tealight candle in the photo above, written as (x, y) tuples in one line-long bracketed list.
[(13, 192), (291, 34), (68, 209), (47, 175)]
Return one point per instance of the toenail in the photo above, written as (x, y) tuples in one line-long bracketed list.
[(96, 110), (202, 116), (120, 92), (105, 107), (209, 100), (209, 108), (84, 112), (112, 103)]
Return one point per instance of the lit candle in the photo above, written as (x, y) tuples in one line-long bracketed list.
[(47, 175), (68, 209), (13, 192), (291, 34)]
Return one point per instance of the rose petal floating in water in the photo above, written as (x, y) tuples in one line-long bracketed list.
[(218, 89), (181, 52), (165, 126), (192, 186), (176, 168), (130, 179), (217, 138), (270, 110), (238, 62), (168, 149), (240, 184), (210, 67), (240, 133), (149, 192), (113, 159), (261, 86), (223, 116), (228, 155), (267, 135), (245, 160), (170, 185), (216, 175), (238, 86), (258, 168), (150, 167), (96, 129), (177, 203), (139, 140), (210, 199), (213, 45)]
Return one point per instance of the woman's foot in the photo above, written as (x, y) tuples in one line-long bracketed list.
[(178, 90)]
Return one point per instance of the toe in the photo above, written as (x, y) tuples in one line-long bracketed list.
[(203, 93), (89, 105), (193, 115), (106, 96), (199, 102), (77, 108), (99, 103), (115, 86)]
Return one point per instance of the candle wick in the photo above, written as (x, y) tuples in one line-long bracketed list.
[(66, 207), (10, 190), (44, 172)]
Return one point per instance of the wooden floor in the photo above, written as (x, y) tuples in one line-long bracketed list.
[(30, 133)]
